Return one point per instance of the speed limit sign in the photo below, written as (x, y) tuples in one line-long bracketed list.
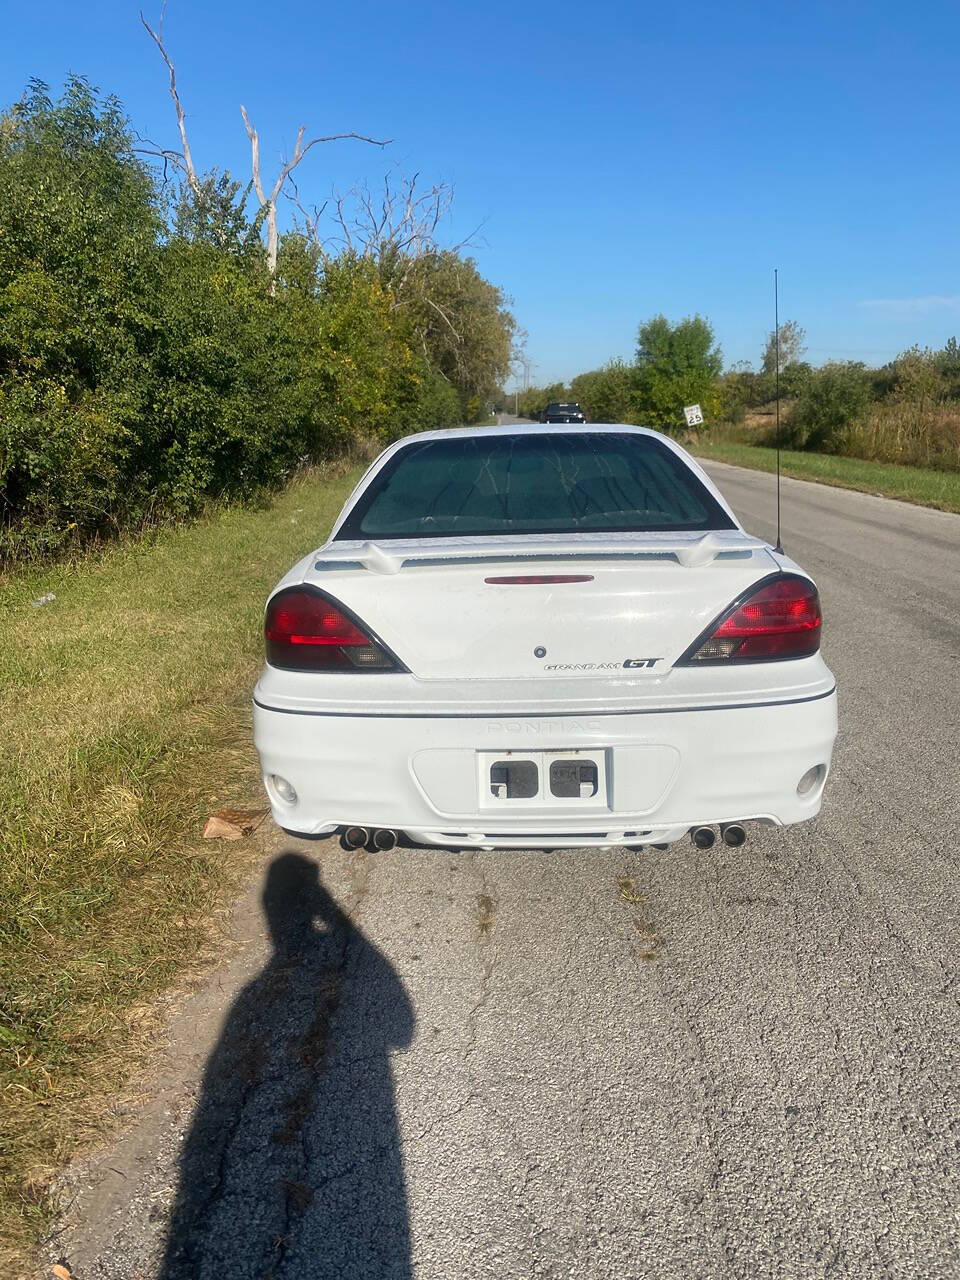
[(693, 414)]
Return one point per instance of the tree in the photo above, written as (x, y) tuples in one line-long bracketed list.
[(792, 347), (675, 365), (268, 202), (395, 226), (461, 323), (183, 159)]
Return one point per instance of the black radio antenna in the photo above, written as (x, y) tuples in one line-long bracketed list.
[(776, 345)]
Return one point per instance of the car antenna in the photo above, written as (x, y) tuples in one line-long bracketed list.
[(776, 345)]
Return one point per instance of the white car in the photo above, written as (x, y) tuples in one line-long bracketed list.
[(542, 637)]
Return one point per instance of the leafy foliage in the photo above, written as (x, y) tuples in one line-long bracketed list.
[(831, 401), (459, 321), (791, 345), (676, 365), (146, 364)]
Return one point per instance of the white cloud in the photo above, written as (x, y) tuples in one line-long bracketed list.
[(913, 306)]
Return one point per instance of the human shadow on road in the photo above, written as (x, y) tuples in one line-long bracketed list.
[(293, 1166)]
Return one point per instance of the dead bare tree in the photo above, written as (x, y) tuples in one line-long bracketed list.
[(399, 220), (183, 159), (269, 202), (396, 224), (397, 227)]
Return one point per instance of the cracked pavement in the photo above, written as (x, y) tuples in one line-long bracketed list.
[(724, 1063)]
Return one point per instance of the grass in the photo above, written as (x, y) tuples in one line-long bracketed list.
[(925, 486), (125, 705)]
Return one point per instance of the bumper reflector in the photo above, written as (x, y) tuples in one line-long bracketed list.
[(284, 789)]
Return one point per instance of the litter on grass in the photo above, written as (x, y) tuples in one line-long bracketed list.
[(233, 824)]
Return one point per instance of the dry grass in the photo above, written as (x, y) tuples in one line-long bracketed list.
[(909, 433), (125, 708), (629, 889), (905, 431)]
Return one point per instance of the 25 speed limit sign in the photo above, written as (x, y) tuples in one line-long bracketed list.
[(693, 414)]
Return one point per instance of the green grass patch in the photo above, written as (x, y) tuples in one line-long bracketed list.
[(125, 705), (922, 485)]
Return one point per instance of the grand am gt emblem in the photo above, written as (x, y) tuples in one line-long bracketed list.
[(634, 663)]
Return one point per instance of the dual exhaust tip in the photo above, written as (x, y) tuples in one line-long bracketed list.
[(382, 838), (731, 833)]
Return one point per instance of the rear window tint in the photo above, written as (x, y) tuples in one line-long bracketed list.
[(533, 483)]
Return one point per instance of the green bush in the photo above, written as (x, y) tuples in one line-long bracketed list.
[(794, 379), (830, 402), (607, 394)]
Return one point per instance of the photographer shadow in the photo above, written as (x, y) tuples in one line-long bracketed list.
[(293, 1166)]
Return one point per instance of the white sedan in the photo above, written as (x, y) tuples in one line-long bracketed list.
[(542, 637)]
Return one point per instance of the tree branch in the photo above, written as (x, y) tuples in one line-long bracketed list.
[(187, 158), (254, 156), (300, 149), (440, 312), (312, 220)]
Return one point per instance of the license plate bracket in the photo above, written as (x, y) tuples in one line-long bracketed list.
[(513, 779)]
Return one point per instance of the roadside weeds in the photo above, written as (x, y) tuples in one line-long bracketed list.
[(125, 702), (648, 936)]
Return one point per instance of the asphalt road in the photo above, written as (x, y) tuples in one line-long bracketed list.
[(734, 1063)]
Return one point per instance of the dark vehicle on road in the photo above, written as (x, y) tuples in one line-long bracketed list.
[(567, 412)]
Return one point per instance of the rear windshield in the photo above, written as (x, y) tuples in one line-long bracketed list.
[(486, 485), (563, 408)]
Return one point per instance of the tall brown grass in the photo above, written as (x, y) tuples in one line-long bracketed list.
[(911, 431)]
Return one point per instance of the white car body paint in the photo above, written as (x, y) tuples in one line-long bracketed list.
[(674, 747)]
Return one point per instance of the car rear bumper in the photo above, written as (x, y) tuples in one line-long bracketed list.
[(661, 772)]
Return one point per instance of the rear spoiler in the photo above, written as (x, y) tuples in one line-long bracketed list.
[(689, 552)]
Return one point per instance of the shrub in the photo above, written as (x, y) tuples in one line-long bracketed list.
[(830, 402), (607, 394), (794, 379)]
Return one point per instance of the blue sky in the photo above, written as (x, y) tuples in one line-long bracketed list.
[(624, 159)]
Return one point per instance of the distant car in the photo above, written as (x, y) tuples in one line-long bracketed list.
[(542, 638), (561, 413)]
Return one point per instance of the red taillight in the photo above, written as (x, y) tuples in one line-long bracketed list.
[(307, 632), (780, 619)]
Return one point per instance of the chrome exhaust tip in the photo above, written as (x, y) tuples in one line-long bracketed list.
[(356, 837), (384, 839), (733, 833), (703, 837)]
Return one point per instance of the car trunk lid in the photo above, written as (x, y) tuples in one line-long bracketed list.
[(496, 608)]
